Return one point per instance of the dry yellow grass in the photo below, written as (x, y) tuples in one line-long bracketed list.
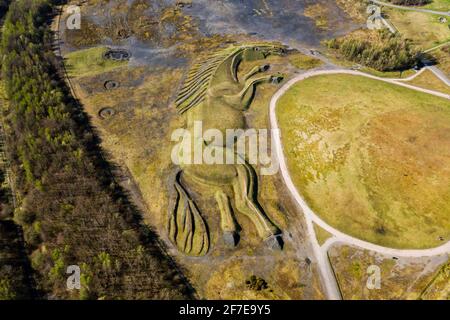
[(319, 13), (356, 9), (305, 62), (439, 287), (400, 279), (423, 29), (321, 234)]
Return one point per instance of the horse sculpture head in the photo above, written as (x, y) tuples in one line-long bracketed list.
[(260, 51), (198, 80)]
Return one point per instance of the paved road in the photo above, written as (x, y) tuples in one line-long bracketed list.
[(310, 217), (381, 3)]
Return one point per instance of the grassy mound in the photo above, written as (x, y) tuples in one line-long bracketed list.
[(89, 62)]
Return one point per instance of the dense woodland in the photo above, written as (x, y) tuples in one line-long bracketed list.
[(72, 212), (377, 49), (410, 2), (15, 271), (3, 7)]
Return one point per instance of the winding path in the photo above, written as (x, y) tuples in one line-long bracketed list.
[(385, 4), (436, 71), (320, 252)]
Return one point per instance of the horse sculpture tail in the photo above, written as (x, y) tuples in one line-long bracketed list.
[(187, 228)]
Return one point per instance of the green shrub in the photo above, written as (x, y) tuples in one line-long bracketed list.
[(377, 49)]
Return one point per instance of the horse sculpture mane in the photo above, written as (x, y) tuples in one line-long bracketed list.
[(198, 80)]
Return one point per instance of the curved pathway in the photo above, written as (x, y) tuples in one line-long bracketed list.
[(310, 217), (437, 72), (385, 4)]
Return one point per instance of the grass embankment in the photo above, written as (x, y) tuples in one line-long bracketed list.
[(72, 211), (90, 62), (371, 158)]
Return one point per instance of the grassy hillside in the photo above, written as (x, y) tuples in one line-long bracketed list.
[(371, 158)]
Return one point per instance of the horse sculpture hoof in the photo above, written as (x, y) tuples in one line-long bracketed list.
[(275, 242), (231, 239)]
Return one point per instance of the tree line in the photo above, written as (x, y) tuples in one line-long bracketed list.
[(410, 2), (72, 211)]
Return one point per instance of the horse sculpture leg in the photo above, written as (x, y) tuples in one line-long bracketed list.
[(245, 197), (227, 223), (256, 70)]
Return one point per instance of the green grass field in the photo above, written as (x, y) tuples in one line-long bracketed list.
[(439, 5), (90, 62), (371, 158)]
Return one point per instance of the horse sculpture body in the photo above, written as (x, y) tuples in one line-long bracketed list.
[(215, 95)]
